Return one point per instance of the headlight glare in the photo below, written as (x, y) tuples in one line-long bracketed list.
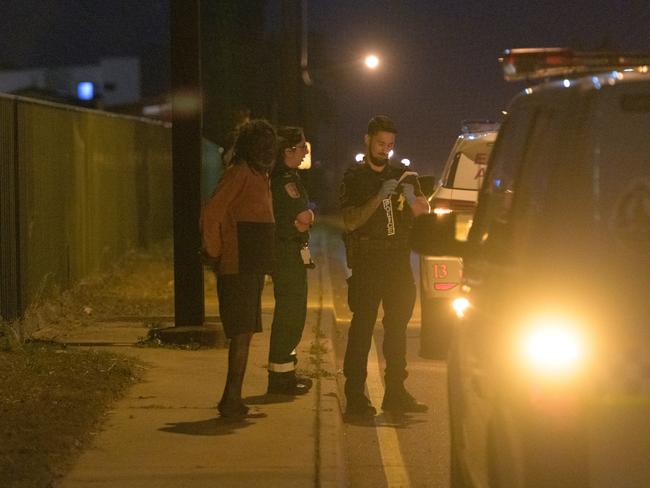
[(460, 305), (553, 346)]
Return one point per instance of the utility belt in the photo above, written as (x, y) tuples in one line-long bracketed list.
[(356, 247)]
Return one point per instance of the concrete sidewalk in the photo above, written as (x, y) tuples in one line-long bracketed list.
[(167, 432)]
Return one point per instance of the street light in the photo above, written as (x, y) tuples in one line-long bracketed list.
[(372, 61)]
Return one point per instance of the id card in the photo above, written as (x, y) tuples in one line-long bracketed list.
[(305, 254)]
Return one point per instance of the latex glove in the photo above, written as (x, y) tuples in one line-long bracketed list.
[(409, 193), (388, 188)]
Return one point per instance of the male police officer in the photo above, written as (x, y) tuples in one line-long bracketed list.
[(379, 201)]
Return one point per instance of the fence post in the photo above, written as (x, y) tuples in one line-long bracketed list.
[(11, 306)]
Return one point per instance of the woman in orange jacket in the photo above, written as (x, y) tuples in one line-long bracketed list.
[(237, 229)]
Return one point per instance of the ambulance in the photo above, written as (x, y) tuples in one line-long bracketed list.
[(457, 191)]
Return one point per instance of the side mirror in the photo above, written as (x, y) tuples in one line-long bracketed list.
[(435, 235), (427, 185)]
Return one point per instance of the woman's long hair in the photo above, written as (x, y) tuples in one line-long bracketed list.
[(256, 145)]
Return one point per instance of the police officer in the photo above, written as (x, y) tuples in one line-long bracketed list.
[(379, 201), (293, 219)]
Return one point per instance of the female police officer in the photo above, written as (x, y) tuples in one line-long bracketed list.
[(293, 218)]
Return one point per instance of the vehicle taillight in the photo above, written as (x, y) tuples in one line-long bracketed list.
[(442, 206)]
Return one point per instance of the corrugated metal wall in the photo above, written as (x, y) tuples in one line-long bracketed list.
[(88, 186)]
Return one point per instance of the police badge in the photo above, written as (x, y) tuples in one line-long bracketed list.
[(292, 190)]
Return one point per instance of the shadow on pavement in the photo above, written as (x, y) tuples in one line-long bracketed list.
[(213, 426), (268, 398)]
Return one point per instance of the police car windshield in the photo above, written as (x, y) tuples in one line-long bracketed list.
[(468, 167)]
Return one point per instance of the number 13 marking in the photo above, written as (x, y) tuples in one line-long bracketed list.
[(440, 271)]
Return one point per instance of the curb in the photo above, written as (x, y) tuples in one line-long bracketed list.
[(331, 466)]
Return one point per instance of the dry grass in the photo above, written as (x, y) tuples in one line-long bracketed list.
[(52, 399), (140, 285)]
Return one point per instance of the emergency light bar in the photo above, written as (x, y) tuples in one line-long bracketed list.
[(470, 126), (534, 63)]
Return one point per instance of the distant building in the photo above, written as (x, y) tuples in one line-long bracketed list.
[(113, 82)]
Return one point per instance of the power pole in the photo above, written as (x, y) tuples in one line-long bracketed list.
[(291, 93), (186, 161)]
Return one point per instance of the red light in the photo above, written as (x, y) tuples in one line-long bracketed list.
[(557, 60), (444, 286), (454, 205), (524, 64)]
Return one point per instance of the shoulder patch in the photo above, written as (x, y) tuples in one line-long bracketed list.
[(353, 168), (292, 190)]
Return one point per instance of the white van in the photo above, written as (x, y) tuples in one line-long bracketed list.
[(456, 192)]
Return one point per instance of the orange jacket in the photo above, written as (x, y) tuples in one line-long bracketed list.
[(237, 225)]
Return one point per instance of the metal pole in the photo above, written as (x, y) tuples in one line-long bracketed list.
[(186, 156), (11, 239)]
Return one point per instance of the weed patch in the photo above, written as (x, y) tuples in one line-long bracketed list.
[(52, 399)]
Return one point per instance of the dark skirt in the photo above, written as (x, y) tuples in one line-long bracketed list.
[(240, 302)]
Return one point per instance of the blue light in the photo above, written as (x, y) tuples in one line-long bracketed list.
[(596, 82), (497, 183), (566, 83), (85, 90)]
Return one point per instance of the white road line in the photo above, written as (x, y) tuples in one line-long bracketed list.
[(391, 455)]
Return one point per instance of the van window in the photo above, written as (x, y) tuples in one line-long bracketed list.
[(636, 102), (497, 193), (468, 167), (530, 212), (622, 172)]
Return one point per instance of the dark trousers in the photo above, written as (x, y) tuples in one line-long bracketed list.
[(290, 291), (384, 278)]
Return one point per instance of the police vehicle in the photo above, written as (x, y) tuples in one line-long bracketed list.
[(549, 368), (456, 192)]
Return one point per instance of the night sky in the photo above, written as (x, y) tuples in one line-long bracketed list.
[(440, 56)]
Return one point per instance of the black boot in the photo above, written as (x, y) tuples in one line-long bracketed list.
[(398, 400), (359, 406), (357, 403)]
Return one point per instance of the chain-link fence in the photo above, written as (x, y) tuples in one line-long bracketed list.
[(78, 188)]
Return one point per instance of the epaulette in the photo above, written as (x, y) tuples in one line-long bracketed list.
[(353, 168), (282, 173)]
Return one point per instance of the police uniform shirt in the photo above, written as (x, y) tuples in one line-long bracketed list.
[(389, 221), (289, 199)]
